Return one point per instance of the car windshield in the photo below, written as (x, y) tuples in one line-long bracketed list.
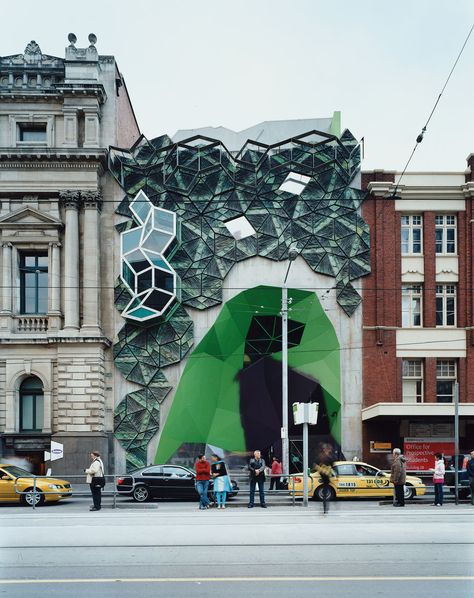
[(17, 472)]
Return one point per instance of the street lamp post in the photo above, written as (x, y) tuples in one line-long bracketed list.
[(285, 441)]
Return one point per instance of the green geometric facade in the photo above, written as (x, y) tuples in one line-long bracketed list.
[(213, 413), (206, 186)]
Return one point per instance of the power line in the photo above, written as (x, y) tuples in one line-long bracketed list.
[(420, 137)]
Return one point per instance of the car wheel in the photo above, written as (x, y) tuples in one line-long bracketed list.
[(409, 493), (324, 493), (28, 498), (140, 494)]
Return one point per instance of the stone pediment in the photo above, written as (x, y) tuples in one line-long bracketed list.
[(28, 217)]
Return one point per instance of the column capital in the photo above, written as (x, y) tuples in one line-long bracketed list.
[(70, 199), (92, 199), (7, 244), (54, 244)]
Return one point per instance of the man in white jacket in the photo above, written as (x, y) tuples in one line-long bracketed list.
[(96, 470)]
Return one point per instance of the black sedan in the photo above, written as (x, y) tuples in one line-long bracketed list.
[(163, 481)]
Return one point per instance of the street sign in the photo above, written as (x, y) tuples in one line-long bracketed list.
[(57, 451), (305, 413)]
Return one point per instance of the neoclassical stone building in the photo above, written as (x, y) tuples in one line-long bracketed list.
[(58, 116)]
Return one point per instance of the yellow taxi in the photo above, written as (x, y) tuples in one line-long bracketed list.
[(354, 479), (14, 480)]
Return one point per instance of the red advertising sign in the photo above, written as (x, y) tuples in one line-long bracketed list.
[(419, 452)]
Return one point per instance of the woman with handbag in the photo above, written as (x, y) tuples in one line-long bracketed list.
[(95, 479), (438, 480)]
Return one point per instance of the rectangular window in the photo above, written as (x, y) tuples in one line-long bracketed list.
[(31, 412), (412, 381), (446, 376), (412, 234), (445, 305), (32, 132), (33, 283), (445, 234), (411, 306)]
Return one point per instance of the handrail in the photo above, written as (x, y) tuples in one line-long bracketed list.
[(289, 491)]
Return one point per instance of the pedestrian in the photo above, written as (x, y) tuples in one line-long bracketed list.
[(95, 479), (470, 475), (398, 476), (438, 479), (203, 475), (276, 472), (257, 478), (221, 481), (324, 468)]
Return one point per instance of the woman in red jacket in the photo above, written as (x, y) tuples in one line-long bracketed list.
[(203, 474)]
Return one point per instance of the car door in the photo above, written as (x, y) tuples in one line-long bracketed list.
[(347, 481), (153, 478), (179, 482), (369, 481), (7, 489)]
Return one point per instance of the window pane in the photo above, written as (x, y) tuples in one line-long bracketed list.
[(405, 237), (450, 313), (39, 412), (32, 383), (444, 391), (419, 391), (43, 261), (29, 292), (29, 261), (439, 311), (409, 391), (26, 412), (42, 292), (416, 312)]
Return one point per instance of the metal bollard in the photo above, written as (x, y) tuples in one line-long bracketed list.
[(34, 493)]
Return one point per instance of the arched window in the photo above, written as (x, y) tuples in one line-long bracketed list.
[(31, 405)]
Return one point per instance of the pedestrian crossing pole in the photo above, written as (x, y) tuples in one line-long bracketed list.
[(306, 414)]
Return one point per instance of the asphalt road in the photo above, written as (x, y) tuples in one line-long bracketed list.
[(175, 550)]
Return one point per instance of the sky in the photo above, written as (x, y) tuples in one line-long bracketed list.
[(190, 63)]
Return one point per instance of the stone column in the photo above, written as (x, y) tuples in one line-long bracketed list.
[(54, 288), (7, 278), (92, 201), (71, 202)]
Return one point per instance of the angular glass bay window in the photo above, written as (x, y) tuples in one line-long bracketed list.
[(33, 283), (411, 306), (411, 234)]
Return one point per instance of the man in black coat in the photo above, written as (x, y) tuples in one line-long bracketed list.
[(257, 477)]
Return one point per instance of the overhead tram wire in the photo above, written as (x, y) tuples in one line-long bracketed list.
[(420, 137)]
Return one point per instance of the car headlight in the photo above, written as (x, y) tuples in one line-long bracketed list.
[(54, 486)]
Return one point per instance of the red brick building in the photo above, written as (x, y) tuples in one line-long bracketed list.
[(418, 322)]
